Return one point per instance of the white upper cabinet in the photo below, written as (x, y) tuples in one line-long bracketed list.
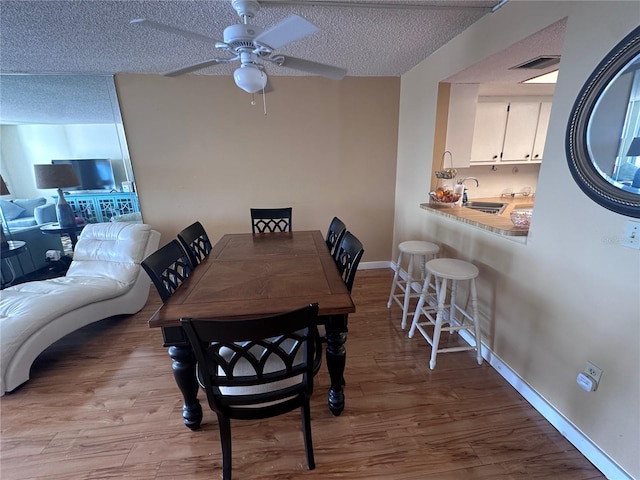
[(520, 133), (541, 131), (460, 121), (488, 132), (509, 130), (495, 128)]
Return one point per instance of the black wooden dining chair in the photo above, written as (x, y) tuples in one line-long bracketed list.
[(168, 267), (196, 243), (336, 231), (271, 220), (257, 368), (348, 257)]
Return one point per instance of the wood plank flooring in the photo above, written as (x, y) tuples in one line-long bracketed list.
[(102, 404)]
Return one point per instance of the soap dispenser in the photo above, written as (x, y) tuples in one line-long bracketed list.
[(465, 198)]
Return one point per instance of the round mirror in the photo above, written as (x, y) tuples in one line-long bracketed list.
[(603, 135)]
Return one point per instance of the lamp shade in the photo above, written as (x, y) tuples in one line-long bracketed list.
[(634, 148), (250, 78), (58, 176), (3, 187), (55, 176)]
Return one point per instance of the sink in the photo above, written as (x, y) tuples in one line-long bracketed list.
[(487, 207)]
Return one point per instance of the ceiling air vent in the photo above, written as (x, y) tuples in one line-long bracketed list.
[(538, 63)]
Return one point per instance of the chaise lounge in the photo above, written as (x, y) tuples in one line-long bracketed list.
[(104, 279)]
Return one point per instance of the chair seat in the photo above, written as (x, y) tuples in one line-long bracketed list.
[(452, 268), (418, 247)]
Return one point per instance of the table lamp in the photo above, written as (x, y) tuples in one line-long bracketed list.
[(3, 191), (58, 176)]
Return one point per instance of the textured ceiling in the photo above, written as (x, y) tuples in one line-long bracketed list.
[(95, 37)]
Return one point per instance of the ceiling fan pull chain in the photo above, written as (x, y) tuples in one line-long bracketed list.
[(264, 102)]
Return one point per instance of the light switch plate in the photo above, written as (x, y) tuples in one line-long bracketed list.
[(631, 235)]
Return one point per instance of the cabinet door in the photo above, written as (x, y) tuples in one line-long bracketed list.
[(520, 133), (488, 132), (541, 131), (462, 111)]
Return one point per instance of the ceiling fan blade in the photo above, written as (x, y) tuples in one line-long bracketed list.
[(315, 68), (169, 29), (192, 68), (288, 30)]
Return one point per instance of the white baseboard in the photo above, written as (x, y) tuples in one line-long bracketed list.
[(578, 439), (372, 265), (591, 451)]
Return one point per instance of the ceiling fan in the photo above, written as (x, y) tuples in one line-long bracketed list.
[(251, 45)]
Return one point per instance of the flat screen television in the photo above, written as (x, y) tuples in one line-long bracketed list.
[(93, 173)]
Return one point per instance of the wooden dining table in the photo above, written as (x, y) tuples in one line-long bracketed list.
[(247, 275)]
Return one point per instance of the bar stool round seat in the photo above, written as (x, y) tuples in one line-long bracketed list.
[(409, 250), (446, 270), (452, 269)]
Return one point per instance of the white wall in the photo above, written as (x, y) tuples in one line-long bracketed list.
[(571, 293)]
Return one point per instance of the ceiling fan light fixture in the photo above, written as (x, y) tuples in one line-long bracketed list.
[(250, 78)]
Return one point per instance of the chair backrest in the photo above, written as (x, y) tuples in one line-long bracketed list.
[(271, 220), (168, 267), (257, 367), (336, 231), (110, 250), (196, 242), (348, 257)]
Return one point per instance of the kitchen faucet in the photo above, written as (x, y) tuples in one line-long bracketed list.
[(465, 198), (460, 182)]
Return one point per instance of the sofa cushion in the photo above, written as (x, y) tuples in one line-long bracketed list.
[(29, 204), (110, 250), (10, 210), (21, 222)]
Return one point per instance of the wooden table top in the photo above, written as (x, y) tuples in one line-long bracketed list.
[(262, 274)]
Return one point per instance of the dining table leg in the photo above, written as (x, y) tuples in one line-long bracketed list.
[(184, 373), (336, 330)]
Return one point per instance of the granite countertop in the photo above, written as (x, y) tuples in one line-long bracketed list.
[(500, 224)]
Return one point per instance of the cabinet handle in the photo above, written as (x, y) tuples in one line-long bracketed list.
[(536, 155), (495, 156), (527, 156)]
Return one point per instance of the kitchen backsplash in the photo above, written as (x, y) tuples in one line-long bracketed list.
[(496, 180)]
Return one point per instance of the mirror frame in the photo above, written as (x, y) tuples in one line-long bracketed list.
[(580, 163)]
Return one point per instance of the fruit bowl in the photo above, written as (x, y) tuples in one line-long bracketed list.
[(521, 218), (444, 196)]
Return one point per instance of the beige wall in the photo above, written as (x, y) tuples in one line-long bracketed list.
[(571, 293), (201, 151)]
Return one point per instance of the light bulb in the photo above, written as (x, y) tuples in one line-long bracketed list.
[(250, 78)]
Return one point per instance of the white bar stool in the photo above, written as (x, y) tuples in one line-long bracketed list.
[(409, 249), (445, 269)]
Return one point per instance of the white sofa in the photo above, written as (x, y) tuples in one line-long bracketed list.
[(104, 279)]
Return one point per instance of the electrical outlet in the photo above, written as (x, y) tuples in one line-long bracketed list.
[(593, 371), (631, 235)]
